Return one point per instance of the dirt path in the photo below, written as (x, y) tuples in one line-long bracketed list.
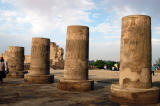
[(14, 92)]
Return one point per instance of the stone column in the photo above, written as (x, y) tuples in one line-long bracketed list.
[(76, 60), (135, 80), (15, 59), (40, 63)]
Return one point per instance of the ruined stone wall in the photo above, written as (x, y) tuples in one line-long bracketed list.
[(27, 59), (56, 56), (5, 55)]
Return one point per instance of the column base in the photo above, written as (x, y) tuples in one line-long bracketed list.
[(134, 96), (15, 74), (38, 79), (75, 85)]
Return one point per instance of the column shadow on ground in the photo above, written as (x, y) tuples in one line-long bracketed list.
[(99, 84)]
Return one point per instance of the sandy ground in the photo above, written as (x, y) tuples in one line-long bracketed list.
[(14, 92)]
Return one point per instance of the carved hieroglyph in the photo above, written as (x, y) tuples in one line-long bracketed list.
[(135, 67), (76, 57), (15, 58), (76, 60), (56, 56), (135, 81), (40, 62), (40, 54)]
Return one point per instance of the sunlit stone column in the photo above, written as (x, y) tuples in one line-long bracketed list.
[(135, 80), (40, 62), (76, 60), (15, 60)]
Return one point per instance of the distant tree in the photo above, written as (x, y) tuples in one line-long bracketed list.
[(110, 64), (99, 64), (91, 62)]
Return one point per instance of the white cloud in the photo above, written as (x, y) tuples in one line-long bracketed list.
[(155, 41), (11, 22), (109, 29), (7, 16), (124, 11), (41, 18), (46, 16), (51, 17), (151, 7), (157, 30), (112, 37), (155, 49), (105, 50), (95, 15), (103, 27)]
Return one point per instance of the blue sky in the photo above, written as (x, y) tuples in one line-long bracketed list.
[(20, 20)]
